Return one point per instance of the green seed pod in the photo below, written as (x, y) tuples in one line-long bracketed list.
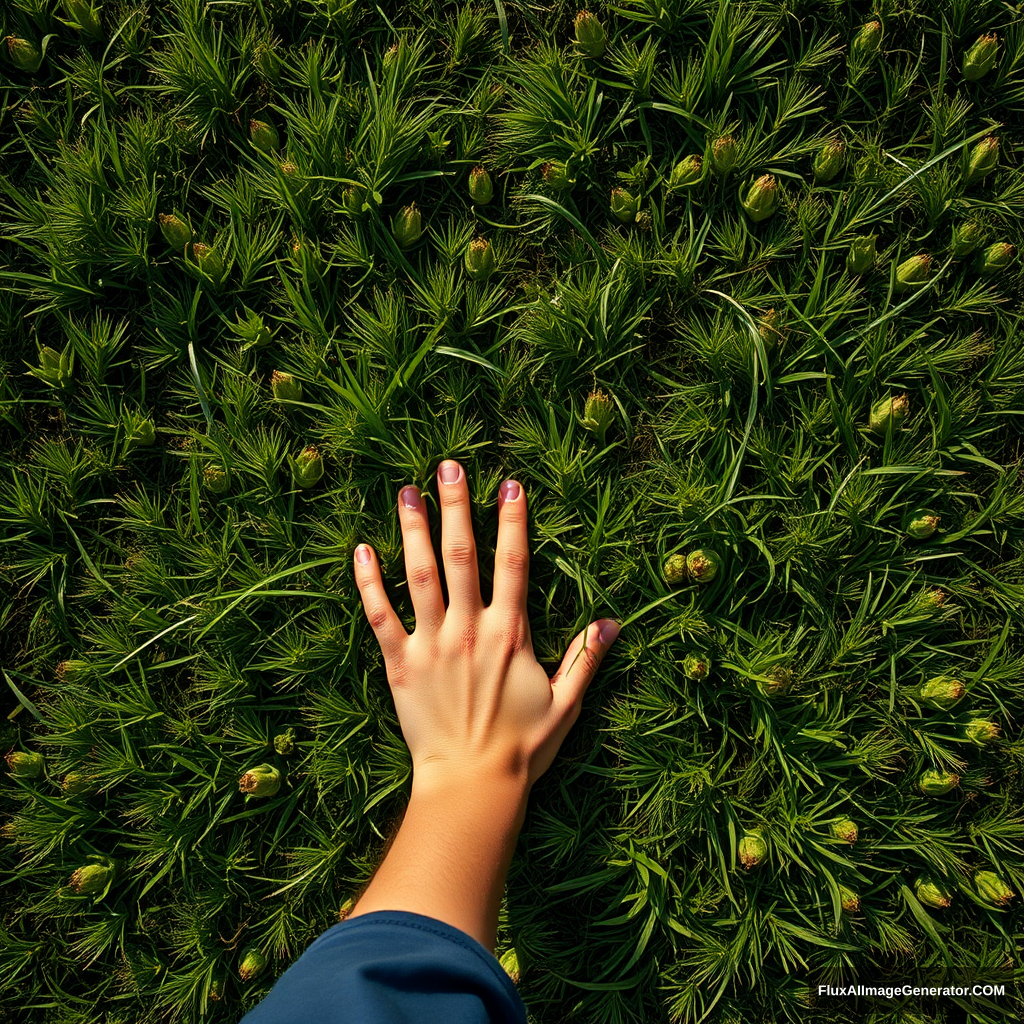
[(216, 479), (266, 61), (828, 161), (992, 889), (481, 188), (941, 692), (390, 55), (888, 411), (981, 731), (686, 173), (307, 468), (556, 174), (703, 565), (752, 849), (844, 829), (867, 41), (996, 258), (723, 154), (176, 232), (861, 257), (932, 894), (263, 780), (510, 964), (145, 434), (479, 259), (85, 17), (674, 569), (284, 742), (252, 964), (624, 205), (912, 273), (849, 900), (264, 136), (77, 784), (24, 55), (920, 524), (598, 414), (24, 764), (210, 262), (966, 238), (285, 387), (983, 159), (590, 34), (352, 199), (49, 358), (981, 57), (937, 783), (407, 226), (696, 666), (761, 198), (93, 879), (780, 679)]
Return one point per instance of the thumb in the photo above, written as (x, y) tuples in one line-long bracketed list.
[(580, 664)]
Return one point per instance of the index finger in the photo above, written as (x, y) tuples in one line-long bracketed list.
[(512, 552)]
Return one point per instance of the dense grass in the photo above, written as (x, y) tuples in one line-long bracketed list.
[(156, 637)]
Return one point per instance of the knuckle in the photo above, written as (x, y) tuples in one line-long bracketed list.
[(515, 562), (422, 576), (377, 615), (461, 554)]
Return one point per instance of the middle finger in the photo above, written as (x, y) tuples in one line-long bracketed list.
[(458, 546)]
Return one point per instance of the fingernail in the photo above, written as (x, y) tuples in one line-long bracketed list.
[(609, 631), (410, 497), (509, 490), (450, 472), (362, 554)]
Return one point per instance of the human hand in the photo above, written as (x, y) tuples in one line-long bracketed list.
[(470, 695)]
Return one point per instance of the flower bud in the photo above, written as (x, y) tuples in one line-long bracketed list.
[(849, 900), (263, 780), (352, 199), (481, 189), (85, 17), (780, 679), (407, 226), (723, 154), (266, 62), (285, 387), (981, 57), (920, 524), (703, 565), (72, 669), (995, 258), (888, 410), (346, 908), (769, 329), (479, 259), (932, 894), (210, 262), (556, 174), (696, 666), (912, 273), (941, 692), (992, 889), (264, 136), (936, 783), (844, 829), (966, 238), (590, 34), (145, 434), (674, 569), (24, 55), (284, 742), (23, 764), (216, 990), (49, 358), (390, 55), (176, 232), (217, 479), (685, 173), (761, 198), (307, 468), (752, 849), (252, 964), (828, 161), (867, 41), (861, 257), (624, 205), (981, 731), (598, 414), (77, 784), (93, 879), (982, 160), (510, 964)]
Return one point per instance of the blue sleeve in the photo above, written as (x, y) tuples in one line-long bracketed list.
[(392, 967)]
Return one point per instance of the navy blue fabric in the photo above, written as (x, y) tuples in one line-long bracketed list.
[(392, 967)]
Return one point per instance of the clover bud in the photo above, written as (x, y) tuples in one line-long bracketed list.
[(849, 900), (307, 468), (590, 34), (920, 524), (479, 259), (761, 198), (284, 742), (936, 783), (216, 479), (828, 161), (981, 57), (861, 257), (263, 780), (995, 258), (285, 387), (77, 784), (696, 666), (24, 55), (352, 199), (210, 262), (703, 565), (598, 414), (177, 234), (966, 238), (23, 764), (888, 410), (93, 879), (71, 669), (85, 17), (941, 692), (723, 154), (931, 894), (752, 849), (556, 174), (674, 569), (982, 160), (145, 433), (844, 829), (686, 172), (624, 205), (252, 964), (264, 136), (867, 41), (481, 188), (981, 731), (510, 964), (992, 889), (407, 226), (912, 273), (780, 679)]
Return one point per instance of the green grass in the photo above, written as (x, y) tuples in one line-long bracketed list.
[(155, 637)]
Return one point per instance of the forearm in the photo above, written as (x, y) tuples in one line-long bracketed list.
[(452, 853)]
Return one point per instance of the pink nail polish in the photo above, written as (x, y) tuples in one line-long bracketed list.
[(450, 472), (410, 497), (509, 490)]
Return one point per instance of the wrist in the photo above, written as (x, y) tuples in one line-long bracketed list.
[(488, 787)]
